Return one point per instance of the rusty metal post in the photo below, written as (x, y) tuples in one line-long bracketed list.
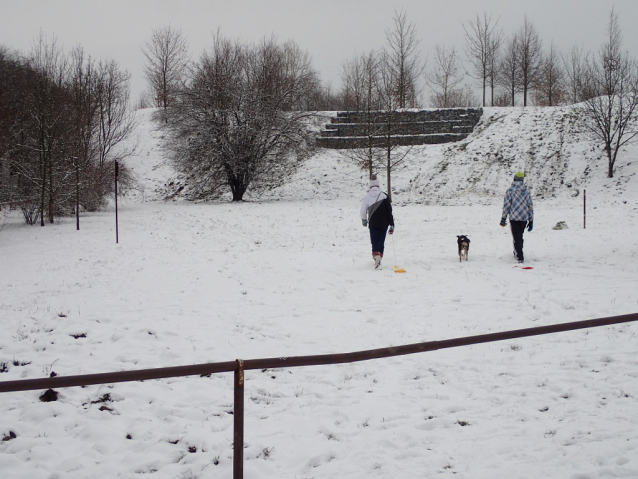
[(117, 170), (238, 437)]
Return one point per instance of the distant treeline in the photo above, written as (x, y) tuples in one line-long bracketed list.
[(508, 69)]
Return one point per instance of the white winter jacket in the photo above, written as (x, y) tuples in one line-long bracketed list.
[(371, 201)]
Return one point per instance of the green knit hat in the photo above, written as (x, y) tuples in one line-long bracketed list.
[(519, 176)]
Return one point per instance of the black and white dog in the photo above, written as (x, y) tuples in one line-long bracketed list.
[(464, 247)]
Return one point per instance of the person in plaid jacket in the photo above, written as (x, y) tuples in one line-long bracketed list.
[(520, 208)]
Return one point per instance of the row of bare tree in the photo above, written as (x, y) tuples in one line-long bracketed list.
[(508, 68), (391, 75), (518, 65), (63, 119)]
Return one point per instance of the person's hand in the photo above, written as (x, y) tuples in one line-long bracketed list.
[(391, 229), (530, 226), (503, 222), (364, 222)]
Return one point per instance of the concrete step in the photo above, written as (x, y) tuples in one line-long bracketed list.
[(359, 129)]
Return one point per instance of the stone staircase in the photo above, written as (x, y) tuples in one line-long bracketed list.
[(361, 129)]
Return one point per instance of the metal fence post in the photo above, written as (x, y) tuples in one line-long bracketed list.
[(117, 171), (238, 439)]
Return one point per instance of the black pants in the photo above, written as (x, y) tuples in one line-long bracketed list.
[(377, 238), (518, 228)]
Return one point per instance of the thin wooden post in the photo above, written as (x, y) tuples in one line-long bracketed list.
[(584, 209), (117, 239), (238, 437)]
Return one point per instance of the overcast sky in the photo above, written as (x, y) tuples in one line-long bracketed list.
[(332, 31)]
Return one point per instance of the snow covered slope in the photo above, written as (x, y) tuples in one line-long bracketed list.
[(559, 158)]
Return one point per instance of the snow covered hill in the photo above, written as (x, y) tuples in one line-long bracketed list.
[(549, 144), (559, 158)]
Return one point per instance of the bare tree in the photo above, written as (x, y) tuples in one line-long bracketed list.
[(396, 156), (82, 85), (496, 46), (376, 85), (576, 75), (550, 85), (48, 167), (325, 98), (482, 42), (403, 61), (444, 78), (611, 113), (229, 129), (282, 71), (502, 98), (13, 78), (369, 83), (350, 81), (115, 120), (463, 97), (529, 57), (360, 78), (167, 59), (143, 101), (362, 83), (508, 70)]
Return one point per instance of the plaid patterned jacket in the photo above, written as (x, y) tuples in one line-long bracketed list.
[(518, 203)]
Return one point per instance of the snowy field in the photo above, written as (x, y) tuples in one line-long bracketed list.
[(291, 274)]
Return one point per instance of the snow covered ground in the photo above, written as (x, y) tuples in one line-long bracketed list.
[(291, 274)]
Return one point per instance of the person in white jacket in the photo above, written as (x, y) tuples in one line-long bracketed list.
[(376, 214)]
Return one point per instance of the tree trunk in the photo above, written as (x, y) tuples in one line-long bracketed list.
[(370, 158), (237, 188), (43, 189), (484, 89), (77, 195), (238, 196), (51, 200), (610, 162), (389, 172)]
